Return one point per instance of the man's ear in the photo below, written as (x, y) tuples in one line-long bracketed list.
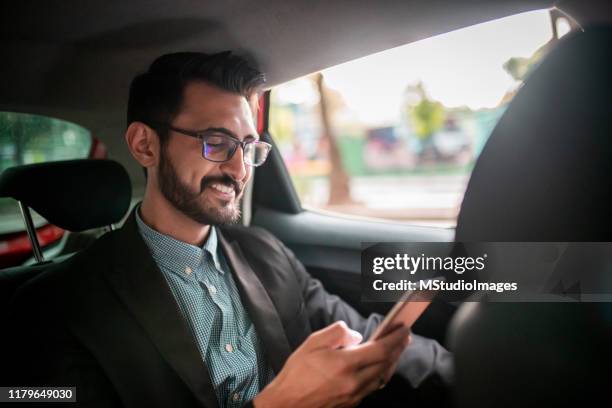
[(143, 143)]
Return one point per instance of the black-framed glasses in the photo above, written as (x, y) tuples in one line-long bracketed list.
[(219, 146)]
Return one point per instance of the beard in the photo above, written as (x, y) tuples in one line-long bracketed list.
[(190, 203)]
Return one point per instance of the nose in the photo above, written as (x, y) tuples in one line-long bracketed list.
[(235, 167)]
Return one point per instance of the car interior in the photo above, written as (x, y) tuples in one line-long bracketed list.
[(74, 60)]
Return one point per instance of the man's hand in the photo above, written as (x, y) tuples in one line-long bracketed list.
[(331, 369)]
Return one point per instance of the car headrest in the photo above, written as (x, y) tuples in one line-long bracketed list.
[(544, 174), (75, 195)]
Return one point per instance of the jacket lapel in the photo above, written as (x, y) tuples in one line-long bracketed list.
[(259, 305), (142, 288)]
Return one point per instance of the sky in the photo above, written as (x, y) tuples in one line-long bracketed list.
[(460, 68)]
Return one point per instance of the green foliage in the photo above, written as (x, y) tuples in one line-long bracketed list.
[(283, 124), (427, 116), (519, 68)]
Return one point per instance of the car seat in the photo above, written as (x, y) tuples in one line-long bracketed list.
[(543, 176), (76, 195)]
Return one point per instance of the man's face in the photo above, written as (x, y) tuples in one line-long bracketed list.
[(205, 191)]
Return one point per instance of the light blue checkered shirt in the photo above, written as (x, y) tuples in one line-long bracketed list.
[(206, 293)]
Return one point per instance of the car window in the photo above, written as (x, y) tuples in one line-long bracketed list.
[(395, 135), (26, 139)]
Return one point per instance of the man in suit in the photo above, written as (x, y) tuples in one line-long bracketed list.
[(180, 307)]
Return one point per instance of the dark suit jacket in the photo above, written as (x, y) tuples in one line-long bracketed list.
[(106, 322)]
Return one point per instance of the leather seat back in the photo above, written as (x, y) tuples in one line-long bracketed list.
[(544, 175)]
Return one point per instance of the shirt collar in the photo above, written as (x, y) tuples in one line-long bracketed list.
[(212, 247), (177, 255)]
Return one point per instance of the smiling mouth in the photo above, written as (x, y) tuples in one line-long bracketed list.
[(223, 190)]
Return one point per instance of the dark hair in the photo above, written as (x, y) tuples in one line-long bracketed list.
[(156, 95)]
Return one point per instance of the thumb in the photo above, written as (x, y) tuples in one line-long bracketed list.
[(335, 335)]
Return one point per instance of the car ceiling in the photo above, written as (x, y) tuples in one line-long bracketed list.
[(74, 59)]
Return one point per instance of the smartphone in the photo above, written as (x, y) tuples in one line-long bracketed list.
[(406, 311)]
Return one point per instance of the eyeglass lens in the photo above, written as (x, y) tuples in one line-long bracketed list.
[(219, 148)]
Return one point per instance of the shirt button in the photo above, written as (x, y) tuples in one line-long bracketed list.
[(229, 348), (235, 397), (188, 270), (213, 289)]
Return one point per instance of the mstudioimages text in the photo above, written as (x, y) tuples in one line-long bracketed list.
[(441, 285), (413, 264)]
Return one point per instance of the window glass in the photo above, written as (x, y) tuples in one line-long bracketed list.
[(26, 139), (395, 135)]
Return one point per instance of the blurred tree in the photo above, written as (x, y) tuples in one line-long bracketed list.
[(519, 68), (283, 125), (339, 182), (426, 116)]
